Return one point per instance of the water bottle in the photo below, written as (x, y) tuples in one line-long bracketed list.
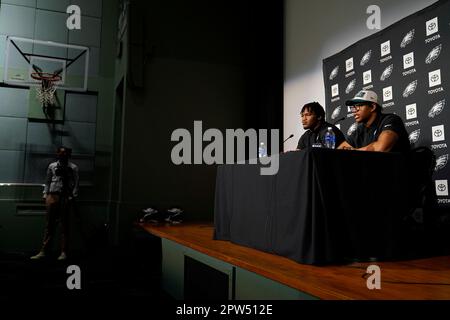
[(262, 152), (330, 139)]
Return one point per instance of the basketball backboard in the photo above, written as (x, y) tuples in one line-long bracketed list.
[(23, 57)]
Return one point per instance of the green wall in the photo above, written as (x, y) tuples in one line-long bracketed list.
[(21, 207)]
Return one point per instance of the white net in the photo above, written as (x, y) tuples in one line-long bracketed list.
[(46, 93)]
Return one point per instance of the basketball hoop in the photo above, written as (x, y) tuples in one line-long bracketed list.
[(46, 92)]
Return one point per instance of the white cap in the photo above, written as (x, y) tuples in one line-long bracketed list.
[(363, 96)]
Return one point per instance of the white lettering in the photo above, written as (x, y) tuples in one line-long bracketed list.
[(335, 99), (386, 59), (439, 146), (406, 73), (437, 90), (390, 104), (374, 21), (181, 153), (74, 20), (374, 281), (436, 37), (213, 153), (350, 74), (74, 281), (186, 310), (412, 123)]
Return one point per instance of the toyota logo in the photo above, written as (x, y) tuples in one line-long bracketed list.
[(411, 111), (408, 60), (435, 78), (442, 187), (438, 133), (432, 26)]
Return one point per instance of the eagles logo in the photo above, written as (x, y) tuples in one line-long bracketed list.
[(437, 109), (409, 37), (334, 73), (336, 113), (414, 136), (387, 73), (352, 129), (366, 58), (350, 86), (434, 54), (410, 89), (441, 162)]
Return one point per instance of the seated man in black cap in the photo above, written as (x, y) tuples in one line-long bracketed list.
[(376, 131), (313, 120)]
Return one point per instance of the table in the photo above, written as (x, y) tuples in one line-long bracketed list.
[(322, 207)]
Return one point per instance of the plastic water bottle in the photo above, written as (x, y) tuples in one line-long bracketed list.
[(262, 151), (330, 139)]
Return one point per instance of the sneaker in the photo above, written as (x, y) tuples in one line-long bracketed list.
[(152, 216), (40, 255), (62, 256), (174, 216)]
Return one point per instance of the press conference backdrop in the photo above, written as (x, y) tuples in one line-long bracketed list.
[(408, 66)]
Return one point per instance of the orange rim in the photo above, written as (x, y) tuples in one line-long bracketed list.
[(46, 76)]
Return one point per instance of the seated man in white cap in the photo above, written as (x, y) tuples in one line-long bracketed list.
[(376, 131)]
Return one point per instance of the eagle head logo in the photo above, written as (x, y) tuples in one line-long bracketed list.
[(437, 109), (336, 112), (408, 38), (387, 73), (334, 73), (351, 86), (434, 54), (441, 162), (352, 129), (414, 136), (366, 58), (410, 89)]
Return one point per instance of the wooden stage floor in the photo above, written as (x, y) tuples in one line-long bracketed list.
[(415, 279)]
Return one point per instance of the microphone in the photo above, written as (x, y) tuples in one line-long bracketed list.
[(291, 136), (339, 120)]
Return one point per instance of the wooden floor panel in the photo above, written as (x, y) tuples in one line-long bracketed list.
[(415, 279)]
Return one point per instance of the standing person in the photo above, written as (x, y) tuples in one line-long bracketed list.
[(376, 131), (60, 191), (313, 120)]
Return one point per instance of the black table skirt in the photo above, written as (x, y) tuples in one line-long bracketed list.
[(323, 206)]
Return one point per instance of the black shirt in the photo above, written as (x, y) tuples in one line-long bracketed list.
[(364, 136), (317, 136)]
